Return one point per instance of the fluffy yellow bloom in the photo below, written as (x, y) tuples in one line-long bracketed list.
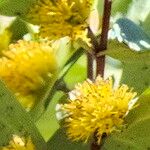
[(61, 18), (5, 37), (96, 107), (25, 68), (18, 143)]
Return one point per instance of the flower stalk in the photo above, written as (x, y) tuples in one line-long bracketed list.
[(100, 60), (90, 61)]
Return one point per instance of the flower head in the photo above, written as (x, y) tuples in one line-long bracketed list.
[(25, 68), (96, 107), (18, 143), (61, 18)]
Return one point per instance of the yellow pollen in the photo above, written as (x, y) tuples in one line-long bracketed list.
[(25, 67), (61, 18), (96, 107)]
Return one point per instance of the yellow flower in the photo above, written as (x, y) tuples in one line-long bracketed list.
[(18, 143), (25, 67), (96, 107), (5, 37), (61, 18)]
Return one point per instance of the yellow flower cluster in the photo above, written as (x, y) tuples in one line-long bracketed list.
[(96, 107), (59, 18), (18, 143), (25, 68)]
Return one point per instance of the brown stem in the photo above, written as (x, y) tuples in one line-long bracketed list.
[(100, 61), (93, 40), (105, 25), (90, 71), (100, 65), (90, 56)]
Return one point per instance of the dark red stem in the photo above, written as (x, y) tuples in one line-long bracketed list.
[(100, 61), (90, 68)]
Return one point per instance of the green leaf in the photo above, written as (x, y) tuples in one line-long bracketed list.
[(48, 124), (129, 8), (14, 120), (140, 16), (135, 65), (59, 141), (120, 6), (134, 54), (64, 50), (41, 107), (136, 75), (44, 94), (67, 66), (136, 135), (146, 25), (123, 53), (15, 7), (99, 5), (77, 73), (18, 29)]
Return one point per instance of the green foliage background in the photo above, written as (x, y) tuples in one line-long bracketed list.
[(121, 57)]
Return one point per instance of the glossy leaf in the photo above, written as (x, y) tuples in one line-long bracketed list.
[(120, 6), (14, 120), (146, 25), (77, 73), (18, 29), (134, 54), (48, 124), (67, 66), (15, 7), (59, 141), (135, 65)]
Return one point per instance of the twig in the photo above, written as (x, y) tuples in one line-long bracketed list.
[(100, 61), (90, 56), (100, 65), (90, 68), (93, 40)]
